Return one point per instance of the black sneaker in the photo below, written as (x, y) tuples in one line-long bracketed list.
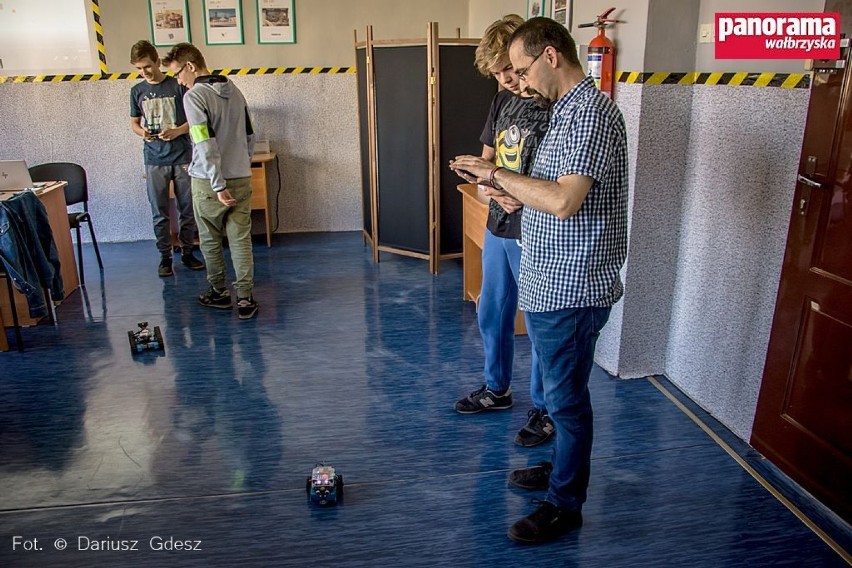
[(214, 298), (536, 478), (165, 268), (484, 399), (246, 308), (188, 260), (538, 429), (545, 524)]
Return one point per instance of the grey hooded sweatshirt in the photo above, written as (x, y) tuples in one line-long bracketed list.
[(220, 129)]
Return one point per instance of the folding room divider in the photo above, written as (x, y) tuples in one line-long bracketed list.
[(421, 102)]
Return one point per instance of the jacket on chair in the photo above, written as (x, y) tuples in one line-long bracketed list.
[(28, 251)]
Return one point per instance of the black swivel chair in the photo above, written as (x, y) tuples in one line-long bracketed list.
[(77, 191)]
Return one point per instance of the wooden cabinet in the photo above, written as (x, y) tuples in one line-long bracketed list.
[(259, 189), (259, 196)]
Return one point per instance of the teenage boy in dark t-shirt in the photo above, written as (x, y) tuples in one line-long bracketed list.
[(157, 115), (516, 123)]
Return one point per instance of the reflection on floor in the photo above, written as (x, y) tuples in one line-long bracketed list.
[(351, 364)]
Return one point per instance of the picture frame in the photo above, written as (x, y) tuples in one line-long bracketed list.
[(535, 8), (562, 11), (276, 21), (169, 22), (223, 22)]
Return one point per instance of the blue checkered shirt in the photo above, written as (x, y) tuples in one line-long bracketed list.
[(575, 262)]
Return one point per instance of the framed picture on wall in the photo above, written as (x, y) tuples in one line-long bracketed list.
[(169, 22), (223, 22), (563, 11), (535, 8), (276, 21)]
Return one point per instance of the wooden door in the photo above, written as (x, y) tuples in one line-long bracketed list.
[(803, 422)]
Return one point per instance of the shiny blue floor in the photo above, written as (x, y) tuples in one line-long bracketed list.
[(352, 364)]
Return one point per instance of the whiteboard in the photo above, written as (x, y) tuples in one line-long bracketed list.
[(47, 37)]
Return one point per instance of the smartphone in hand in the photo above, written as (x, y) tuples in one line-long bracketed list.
[(470, 178)]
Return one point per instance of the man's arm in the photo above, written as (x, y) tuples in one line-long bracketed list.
[(562, 198), (507, 202)]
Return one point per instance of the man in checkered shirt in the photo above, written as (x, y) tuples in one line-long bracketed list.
[(574, 238)]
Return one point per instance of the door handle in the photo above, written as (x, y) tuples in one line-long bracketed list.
[(809, 182)]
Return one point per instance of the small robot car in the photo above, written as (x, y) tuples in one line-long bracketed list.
[(324, 486), (145, 339)]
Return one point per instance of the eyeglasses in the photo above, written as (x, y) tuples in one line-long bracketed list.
[(522, 73), (179, 71)]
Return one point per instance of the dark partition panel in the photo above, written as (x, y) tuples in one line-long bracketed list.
[(465, 97), (361, 70), (402, 135)]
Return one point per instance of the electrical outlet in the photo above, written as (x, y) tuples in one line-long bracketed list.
[(706, 33)]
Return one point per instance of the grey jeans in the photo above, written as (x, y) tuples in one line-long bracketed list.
[(215, 222), (158, 178)]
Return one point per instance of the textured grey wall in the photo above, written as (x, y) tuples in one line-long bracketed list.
[(629, 99), (737, 195), (655, 230), (712, 176), (311, 121)]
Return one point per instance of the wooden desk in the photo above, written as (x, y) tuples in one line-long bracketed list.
[(259, 198), (474, 215), (53, 199), (259, 193)]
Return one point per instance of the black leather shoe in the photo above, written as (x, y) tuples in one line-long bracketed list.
[(546, 523), (536, 478)]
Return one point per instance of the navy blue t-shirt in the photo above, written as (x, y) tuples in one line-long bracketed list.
[(514, 128), (161, 106)]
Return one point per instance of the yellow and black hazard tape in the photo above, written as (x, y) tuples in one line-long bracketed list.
[(782, 80), (99, 36), (117, 76)]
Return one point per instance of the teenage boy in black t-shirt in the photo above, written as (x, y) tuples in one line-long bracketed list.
[(157, 115), (516, 123)]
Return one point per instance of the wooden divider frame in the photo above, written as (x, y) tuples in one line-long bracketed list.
[(432, 42)]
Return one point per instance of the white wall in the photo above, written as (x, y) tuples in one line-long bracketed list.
[(482, 13), (324, 30), (629, 37), (310, 120)]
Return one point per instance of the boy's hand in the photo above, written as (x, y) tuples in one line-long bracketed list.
[(169, 134)]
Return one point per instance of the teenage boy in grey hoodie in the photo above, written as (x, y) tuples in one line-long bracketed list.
[(222, 145)]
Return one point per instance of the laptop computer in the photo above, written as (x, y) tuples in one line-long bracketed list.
[(14, 175)]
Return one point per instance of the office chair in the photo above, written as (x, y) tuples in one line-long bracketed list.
[(77, 191)]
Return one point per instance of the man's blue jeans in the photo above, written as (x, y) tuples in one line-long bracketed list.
[(565, 342), (498, 302)]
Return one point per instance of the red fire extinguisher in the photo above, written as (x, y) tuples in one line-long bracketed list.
[(601, 58)]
